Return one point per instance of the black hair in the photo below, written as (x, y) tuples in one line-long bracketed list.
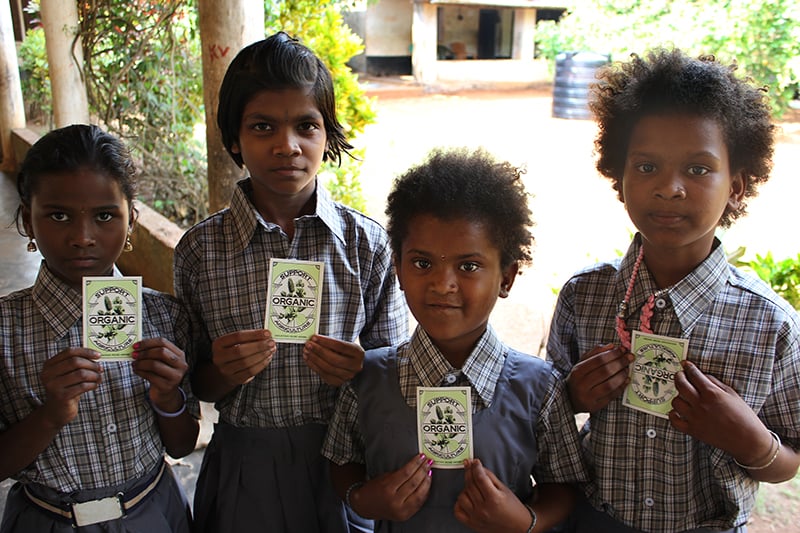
[(465, 184), (71, 148), (669, 81), (272, 64)]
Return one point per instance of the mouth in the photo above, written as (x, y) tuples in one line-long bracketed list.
[(288, 170), (83, 261), (666, 218), (440, 306)]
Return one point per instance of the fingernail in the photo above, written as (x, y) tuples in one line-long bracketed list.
[(136, 346), (430, 473), (135, 355), (430, 462), (422, 457)]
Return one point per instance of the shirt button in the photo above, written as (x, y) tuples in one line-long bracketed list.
[(651, 433), (298, 412), (649, 502), (111, 428), (450, 379), (661, 303)]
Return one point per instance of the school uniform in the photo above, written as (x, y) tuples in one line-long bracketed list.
[(646, 474), (113, 444), (262, 467), (522, 426)]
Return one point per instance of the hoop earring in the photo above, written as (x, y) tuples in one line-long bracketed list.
[(128, 244), (32, 246)]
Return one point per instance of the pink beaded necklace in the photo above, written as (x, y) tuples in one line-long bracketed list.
[(646, 312)]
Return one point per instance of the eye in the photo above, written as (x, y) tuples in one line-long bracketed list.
[(104, 217), (261, 126), (645, 168), (421, 263), (59, 216), (697, 170), (469, 266), (308, 127)]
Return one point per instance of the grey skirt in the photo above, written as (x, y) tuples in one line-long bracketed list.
[(266, 480), (164, 510)]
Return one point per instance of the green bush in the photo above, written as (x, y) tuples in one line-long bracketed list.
[(762, 36), (35, 78), (783, 276)]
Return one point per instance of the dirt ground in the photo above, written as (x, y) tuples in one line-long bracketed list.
[(578, 217)]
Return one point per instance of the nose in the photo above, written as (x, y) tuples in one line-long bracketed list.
[(286, 144), (443, 280), (670, 187), (82, 234)]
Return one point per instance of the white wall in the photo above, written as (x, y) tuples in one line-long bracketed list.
[(388, 28)]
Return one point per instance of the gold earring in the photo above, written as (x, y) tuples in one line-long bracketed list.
[(32, 246), (128, 244)]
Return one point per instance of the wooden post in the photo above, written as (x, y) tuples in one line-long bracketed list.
[(65, 60), (225, 28), (423, 42), (12, 111)]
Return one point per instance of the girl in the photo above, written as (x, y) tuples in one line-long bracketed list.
[(277, 117), (685, 143), (85, 440), (459, 229)]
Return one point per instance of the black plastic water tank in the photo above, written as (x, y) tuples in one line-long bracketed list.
[(575, 72)]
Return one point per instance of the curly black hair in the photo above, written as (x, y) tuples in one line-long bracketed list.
[(669, 81), (459, 183), (276, 63)]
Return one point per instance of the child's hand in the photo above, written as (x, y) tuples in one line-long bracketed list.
[(334, 360), (239, 356), (395, 495), (714, 413), (486, 504), (599, 377), (162, 364), (66, 376)]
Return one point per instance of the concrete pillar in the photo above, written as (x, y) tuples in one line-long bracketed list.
[(423, 42), (65, 62), (225, 28), (12, 112), (524, 34)]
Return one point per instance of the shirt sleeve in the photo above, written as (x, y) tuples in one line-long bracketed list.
[(781, 411), (343, 441), (184, 282), (559, 452), (562, 347), (387, 316)]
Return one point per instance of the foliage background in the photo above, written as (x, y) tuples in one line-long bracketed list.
[(762, 36), (142, 63)]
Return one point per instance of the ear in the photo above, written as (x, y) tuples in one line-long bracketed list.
[(396, 264), (235, 148), (509, 275), (25, 214), (738, 188)]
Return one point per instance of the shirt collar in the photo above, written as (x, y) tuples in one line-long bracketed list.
[(60, 305), (690, 297), (482, 367), (245, 216)]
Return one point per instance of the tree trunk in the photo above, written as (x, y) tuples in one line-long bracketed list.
[(65, 60), (225, 28), (12, 111)]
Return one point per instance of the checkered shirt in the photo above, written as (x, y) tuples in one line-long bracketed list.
[(115, 437), (221, 273), (647, 474), (420, 363)]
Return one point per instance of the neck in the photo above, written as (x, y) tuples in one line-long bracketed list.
[(282, 210), (668, 267)]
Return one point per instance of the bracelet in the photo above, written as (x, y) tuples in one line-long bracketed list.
[(533, 518), (179, 412), (777, 440), (355, 486)]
